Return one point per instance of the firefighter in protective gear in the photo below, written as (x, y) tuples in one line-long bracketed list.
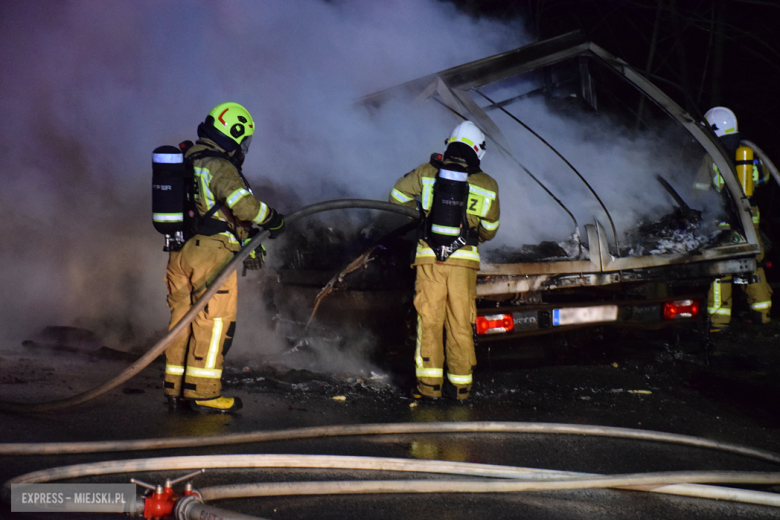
[(461, 208), (227, 211), (751, 174)]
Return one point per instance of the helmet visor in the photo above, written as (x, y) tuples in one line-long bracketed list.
[(245, 144)]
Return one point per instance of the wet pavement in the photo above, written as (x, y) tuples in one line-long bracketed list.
[(656, 381)]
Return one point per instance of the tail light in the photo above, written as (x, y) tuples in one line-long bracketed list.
[(495, 324), (681, 309)]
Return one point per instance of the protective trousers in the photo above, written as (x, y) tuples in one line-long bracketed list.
[(758, 292), (720, 300), (445, 300), (194, 361)]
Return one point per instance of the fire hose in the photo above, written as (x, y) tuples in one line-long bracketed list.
[(317, 432), (768, 164), (491, 478), (166, 341), (676, 483)]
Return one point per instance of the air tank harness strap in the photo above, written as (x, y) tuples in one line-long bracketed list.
[(468, 238), (207, 226), (204, 224)]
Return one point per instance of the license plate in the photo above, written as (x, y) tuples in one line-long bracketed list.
[(576, 315)]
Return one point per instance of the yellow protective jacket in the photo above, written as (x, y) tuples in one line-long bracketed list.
[(709, 177), (482, 211), (218, 180)]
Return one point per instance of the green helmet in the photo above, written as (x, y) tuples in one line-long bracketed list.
[(230, 125)]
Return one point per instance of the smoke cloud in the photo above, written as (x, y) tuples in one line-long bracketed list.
[(620, 166), (90, 88)]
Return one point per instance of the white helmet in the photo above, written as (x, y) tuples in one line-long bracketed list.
[(468, 133), (721, 120)]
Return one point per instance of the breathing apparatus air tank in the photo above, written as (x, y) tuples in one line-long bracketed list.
[(169, 195), (744, 163), (448, 209)]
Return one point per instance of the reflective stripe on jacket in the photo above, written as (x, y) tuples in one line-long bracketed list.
[(218, 180), (708, 175)]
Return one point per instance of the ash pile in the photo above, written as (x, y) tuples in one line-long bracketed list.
[(681, 231), (270, 378), (546, 251)]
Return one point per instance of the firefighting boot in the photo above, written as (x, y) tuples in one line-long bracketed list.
[(759, 318), (419, 396), (219, 404), (457, 394)]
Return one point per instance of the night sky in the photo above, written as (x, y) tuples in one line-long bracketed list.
[(685, 60)]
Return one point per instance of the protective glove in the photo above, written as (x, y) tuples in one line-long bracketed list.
[(275, 224), (255, 260)]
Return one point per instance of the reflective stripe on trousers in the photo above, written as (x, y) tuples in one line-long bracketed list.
[(459, 380), (214, 346), (420, 370), (204, 372), (717, 305)]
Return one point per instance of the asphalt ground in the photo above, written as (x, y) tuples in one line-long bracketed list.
[(656, 381)]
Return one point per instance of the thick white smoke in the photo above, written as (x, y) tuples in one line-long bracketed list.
[(89, 88), (620, 166)]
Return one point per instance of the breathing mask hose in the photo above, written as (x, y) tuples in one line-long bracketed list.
[(165, 342)]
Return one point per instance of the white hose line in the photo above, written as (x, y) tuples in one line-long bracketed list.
[(282, 461), (764, 159), (532, 479), (746, 496), (189, 508), (641, 481), (55, 448)]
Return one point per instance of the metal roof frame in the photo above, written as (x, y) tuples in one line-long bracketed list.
[(451, 85)]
